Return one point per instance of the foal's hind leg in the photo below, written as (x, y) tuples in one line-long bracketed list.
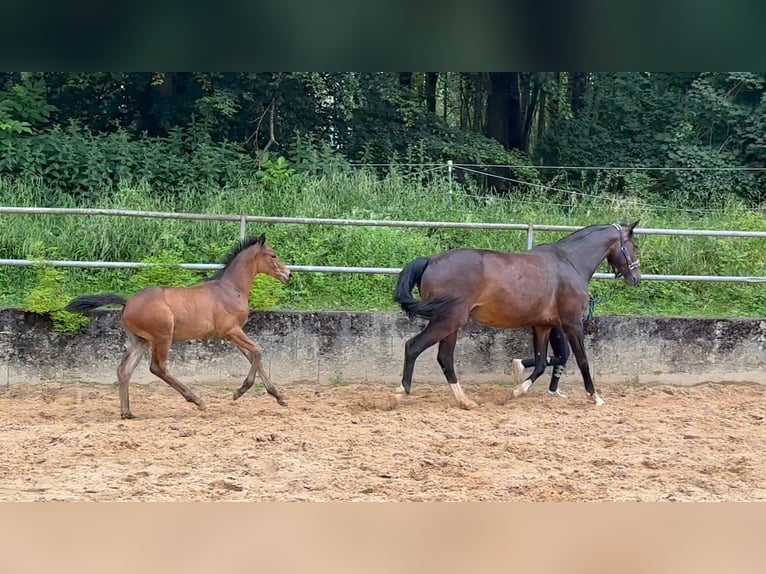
[(253, 353), (136, 347), (540, 342), (159, 368)]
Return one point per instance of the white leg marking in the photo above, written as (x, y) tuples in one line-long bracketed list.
[(462, 399), (522, 388), (558, 393), (400, 390), (517, 370), (598, 401)]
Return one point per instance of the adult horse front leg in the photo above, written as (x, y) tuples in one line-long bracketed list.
[(540, 344), (576, 340), (253, 352), (560, 347)]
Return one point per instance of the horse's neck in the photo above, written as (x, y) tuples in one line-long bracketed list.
[(241, 274), (586, 254)]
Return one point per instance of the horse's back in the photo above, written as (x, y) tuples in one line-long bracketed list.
[(498, 288), (183, 313)]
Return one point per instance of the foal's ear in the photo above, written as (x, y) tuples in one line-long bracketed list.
[(632, 227), (262, 239)]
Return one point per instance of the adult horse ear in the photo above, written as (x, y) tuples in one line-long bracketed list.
[(632, 227)]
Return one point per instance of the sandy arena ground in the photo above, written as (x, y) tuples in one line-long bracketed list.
[(354, 442)]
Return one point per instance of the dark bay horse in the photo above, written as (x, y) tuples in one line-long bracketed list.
[(543, 288), (216, 308)]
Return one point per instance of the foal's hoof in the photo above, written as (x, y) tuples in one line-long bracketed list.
[(558, 393), (126, 416), (238, 393), (200, 405), (281, 401)]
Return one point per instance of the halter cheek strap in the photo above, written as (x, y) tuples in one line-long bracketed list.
[(631, 264)]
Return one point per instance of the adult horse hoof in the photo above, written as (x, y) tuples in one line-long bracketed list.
[(200, 405), (598, 401), (558, 393), (517, 370), (522, 389), (126, 416), (467, 404), (282, 401), (237, 394)]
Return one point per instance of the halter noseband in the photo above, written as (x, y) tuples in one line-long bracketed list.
[(631, 264)]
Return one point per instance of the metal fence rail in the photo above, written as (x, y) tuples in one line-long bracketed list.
[(243, 220)]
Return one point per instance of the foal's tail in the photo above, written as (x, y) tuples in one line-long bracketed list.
[(89, 302), (408, 278)]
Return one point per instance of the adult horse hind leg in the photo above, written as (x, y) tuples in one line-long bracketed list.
[(446, 360), (436, 331), (253, 352), (136, 347), (159, 368)]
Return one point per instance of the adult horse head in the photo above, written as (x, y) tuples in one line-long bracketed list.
[(542, 288)]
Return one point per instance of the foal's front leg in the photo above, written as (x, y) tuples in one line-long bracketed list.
[(253, 352), (540, 343)]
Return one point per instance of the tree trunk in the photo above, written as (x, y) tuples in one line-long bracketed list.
[(431, 80), (478, 102), (504, 121), (541, 117), (529, 114), (579, 85), (445, 94)]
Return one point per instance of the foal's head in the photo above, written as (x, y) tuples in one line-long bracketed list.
[(623, 254), (265, 260)]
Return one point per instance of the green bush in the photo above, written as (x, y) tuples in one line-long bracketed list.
[(49, 297)]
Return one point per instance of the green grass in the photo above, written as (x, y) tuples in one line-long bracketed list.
[(363, 196)]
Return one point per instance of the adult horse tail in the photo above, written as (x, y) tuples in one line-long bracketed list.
[(408, 278), (87, 303)]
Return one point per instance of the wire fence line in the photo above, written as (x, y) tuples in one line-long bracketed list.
[(243, 219), (569, 167)]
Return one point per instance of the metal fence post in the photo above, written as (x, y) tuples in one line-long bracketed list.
[(449, 174), (530, 236)]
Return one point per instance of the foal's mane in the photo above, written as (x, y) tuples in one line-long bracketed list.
[(232, 254)]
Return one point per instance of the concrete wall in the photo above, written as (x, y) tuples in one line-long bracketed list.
[(354, 347)]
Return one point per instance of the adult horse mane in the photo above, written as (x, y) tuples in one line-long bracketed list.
[(215, 308), (544, 288)]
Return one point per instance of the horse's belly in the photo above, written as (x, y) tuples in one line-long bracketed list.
[(511, 318)]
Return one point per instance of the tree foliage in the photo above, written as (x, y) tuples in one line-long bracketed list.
[(85, 132)]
